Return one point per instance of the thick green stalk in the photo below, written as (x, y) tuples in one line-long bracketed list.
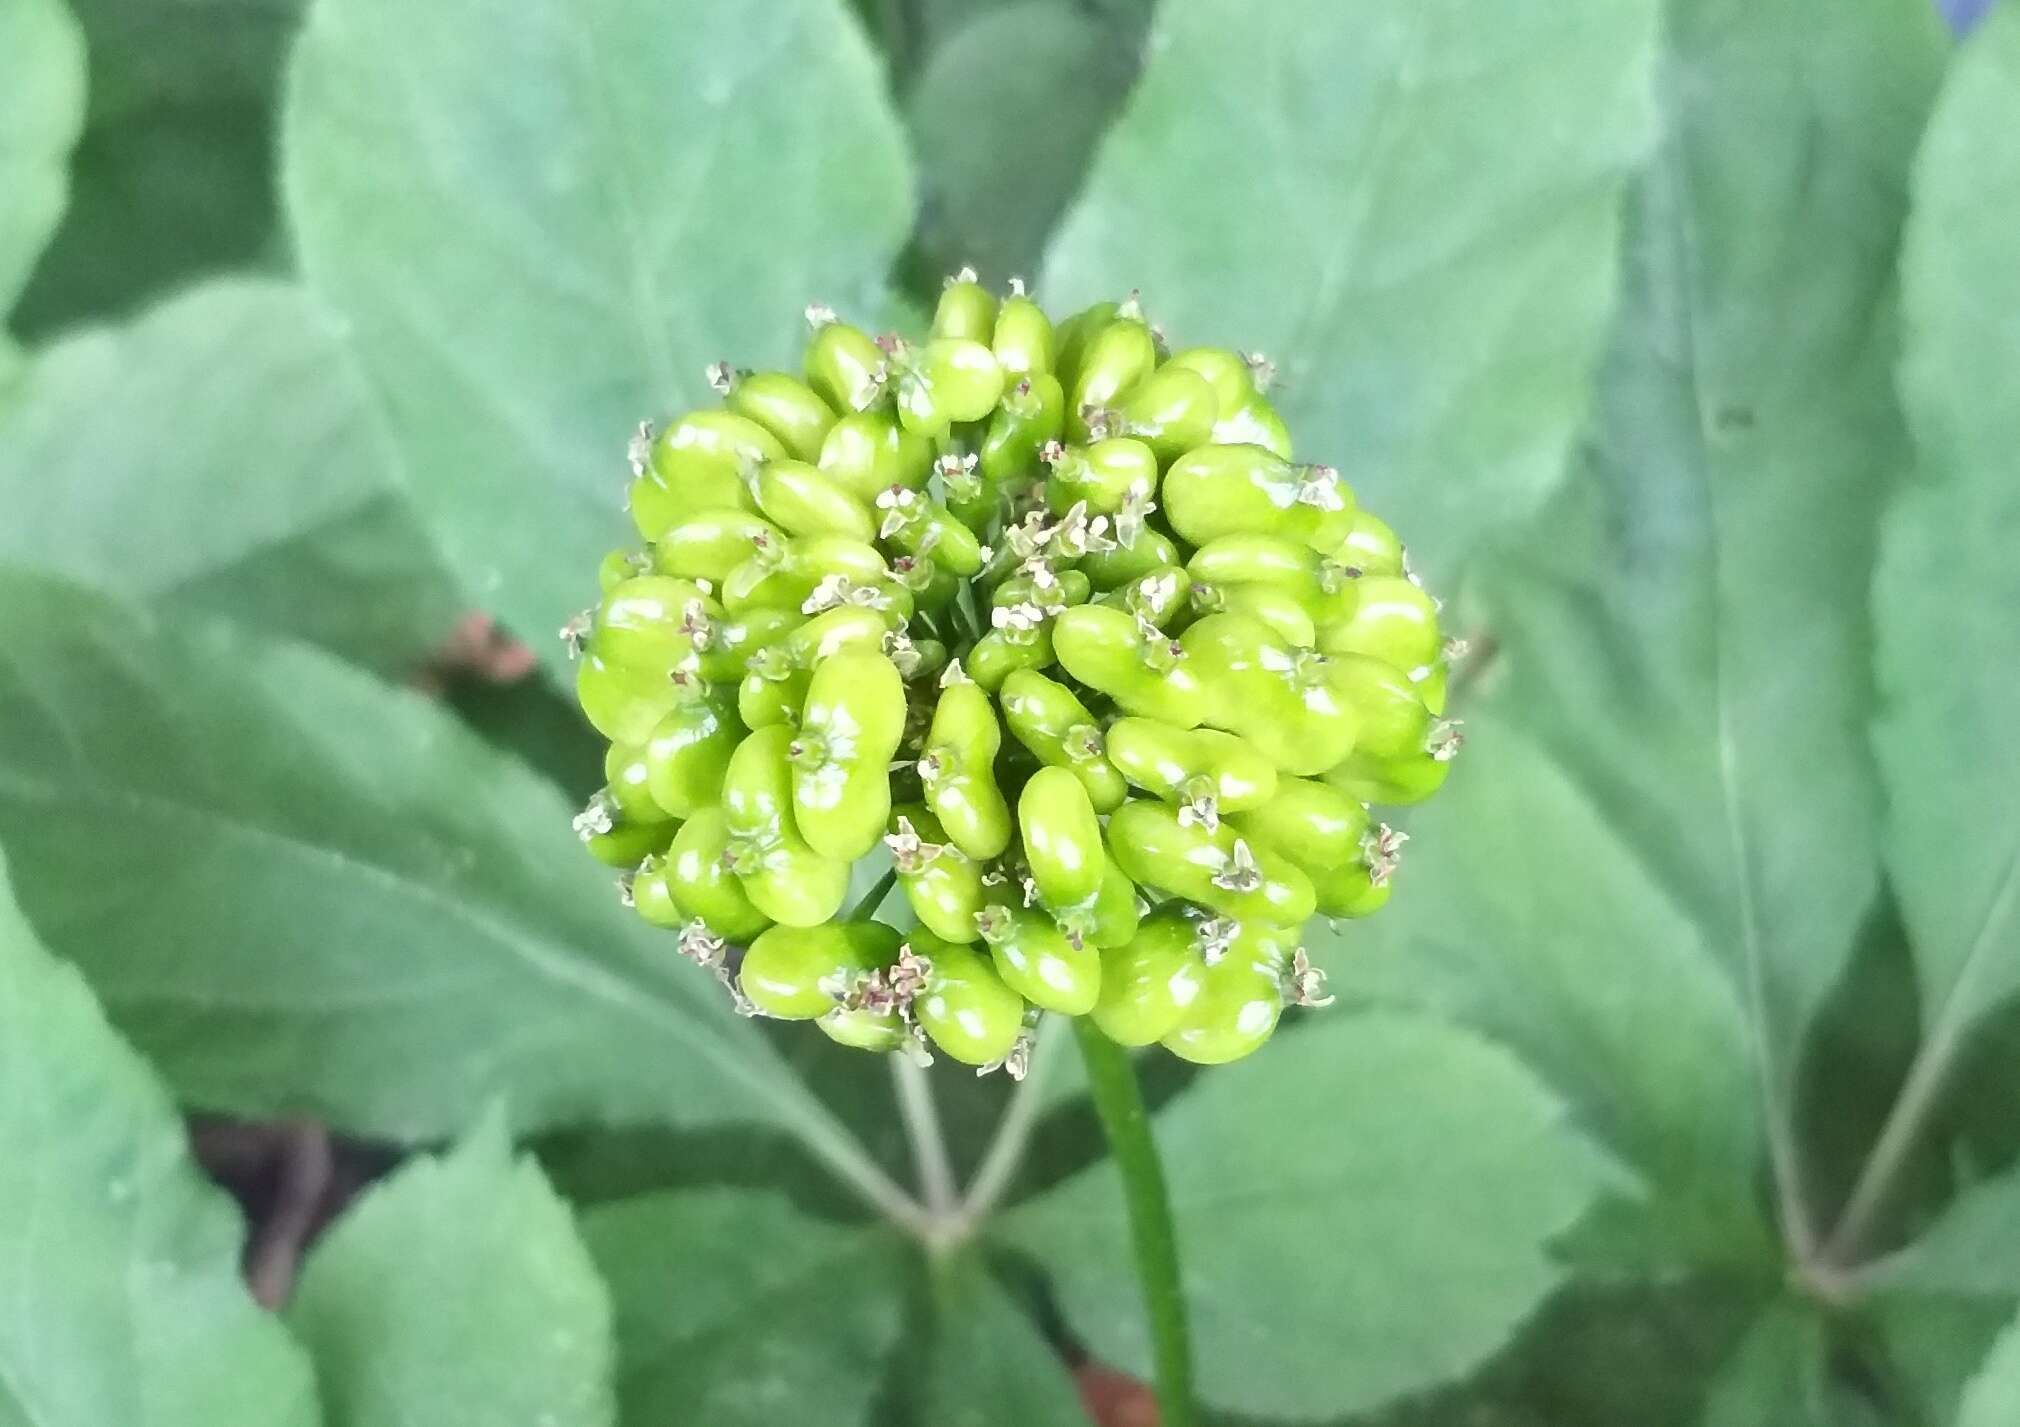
[(1119, 1102)]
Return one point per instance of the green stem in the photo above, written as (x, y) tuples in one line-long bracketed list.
[(1013, 1132), (1119, 1101), (921, 1119), (874, 898)]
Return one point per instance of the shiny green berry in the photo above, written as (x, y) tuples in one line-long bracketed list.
[(963, 1005), (1055, 619)]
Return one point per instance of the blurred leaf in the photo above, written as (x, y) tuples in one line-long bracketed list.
[(1597, 1356), (1005, 116), (1655, 867), (1412, 209), (301, 890), (157, 198), (1970, 1250), (1782, 1374), (1939, 1302), (174, 175), (120, 1262), (1338, 1251), (41, 115), (737, 1309), (541, 240), (188, 53), (218, 454), (458, 1294), (1949, 656), (1993, 1399), (988, 1366)]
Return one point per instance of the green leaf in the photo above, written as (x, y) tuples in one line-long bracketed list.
[(1005, 116), (1781, 1373), (302, 890), (542, 239), (1676, 659), (458, 1294), (41, 115), (146, 55), (218, 454), (1339, 1250), (738, 1309), (1599, 978), (120, 1262), (1412, 209), (741, 1308), (1969, 1250), (1993, 1399), (159, 198), (1939, 1302), (988, 1366), (173, 177), (1949, 653)]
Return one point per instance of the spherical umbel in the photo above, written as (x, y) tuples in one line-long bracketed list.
[(1050, 623)]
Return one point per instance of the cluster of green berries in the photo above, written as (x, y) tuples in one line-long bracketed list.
[(1049, 617)]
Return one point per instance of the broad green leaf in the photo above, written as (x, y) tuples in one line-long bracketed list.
[(1781, 1373), (742, 1310), (1948, 734), (457, 1293), (1413, 209), (302, 890), (542, 239), (737, 1309), (1993, 1399), (146, 55), (987, 1365), (1520, 909), (173, 177), (120, 1296), (1970, 1249), (1939, 1302), (1343, 1248), (218, 454), (1005, 115), (1682, 641), (41, 115), (159, 198)]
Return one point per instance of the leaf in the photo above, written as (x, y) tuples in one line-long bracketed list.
[(159, 198), (41, 115), (146, 55), (740, 1308), (1413, 210), (1993, 1399), (737, 1309), (541, 240), (1005, 116), (120, 1295), (458, 1292), (303, 891), (173, 178), (1781, 1374), (1939, 1302), (1682, 639), (1337, 1251), (1947, 736), (988, 1366), (218, 454), (1599, 978)]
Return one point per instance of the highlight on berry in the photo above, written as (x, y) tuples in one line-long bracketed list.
[(1046, 623)]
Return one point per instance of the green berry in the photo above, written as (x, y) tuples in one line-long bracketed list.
[(1208, 662)]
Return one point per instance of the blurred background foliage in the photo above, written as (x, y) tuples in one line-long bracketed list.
[(1677, 1087)]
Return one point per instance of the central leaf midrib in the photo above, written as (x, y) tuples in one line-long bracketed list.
[(1669, 167)]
